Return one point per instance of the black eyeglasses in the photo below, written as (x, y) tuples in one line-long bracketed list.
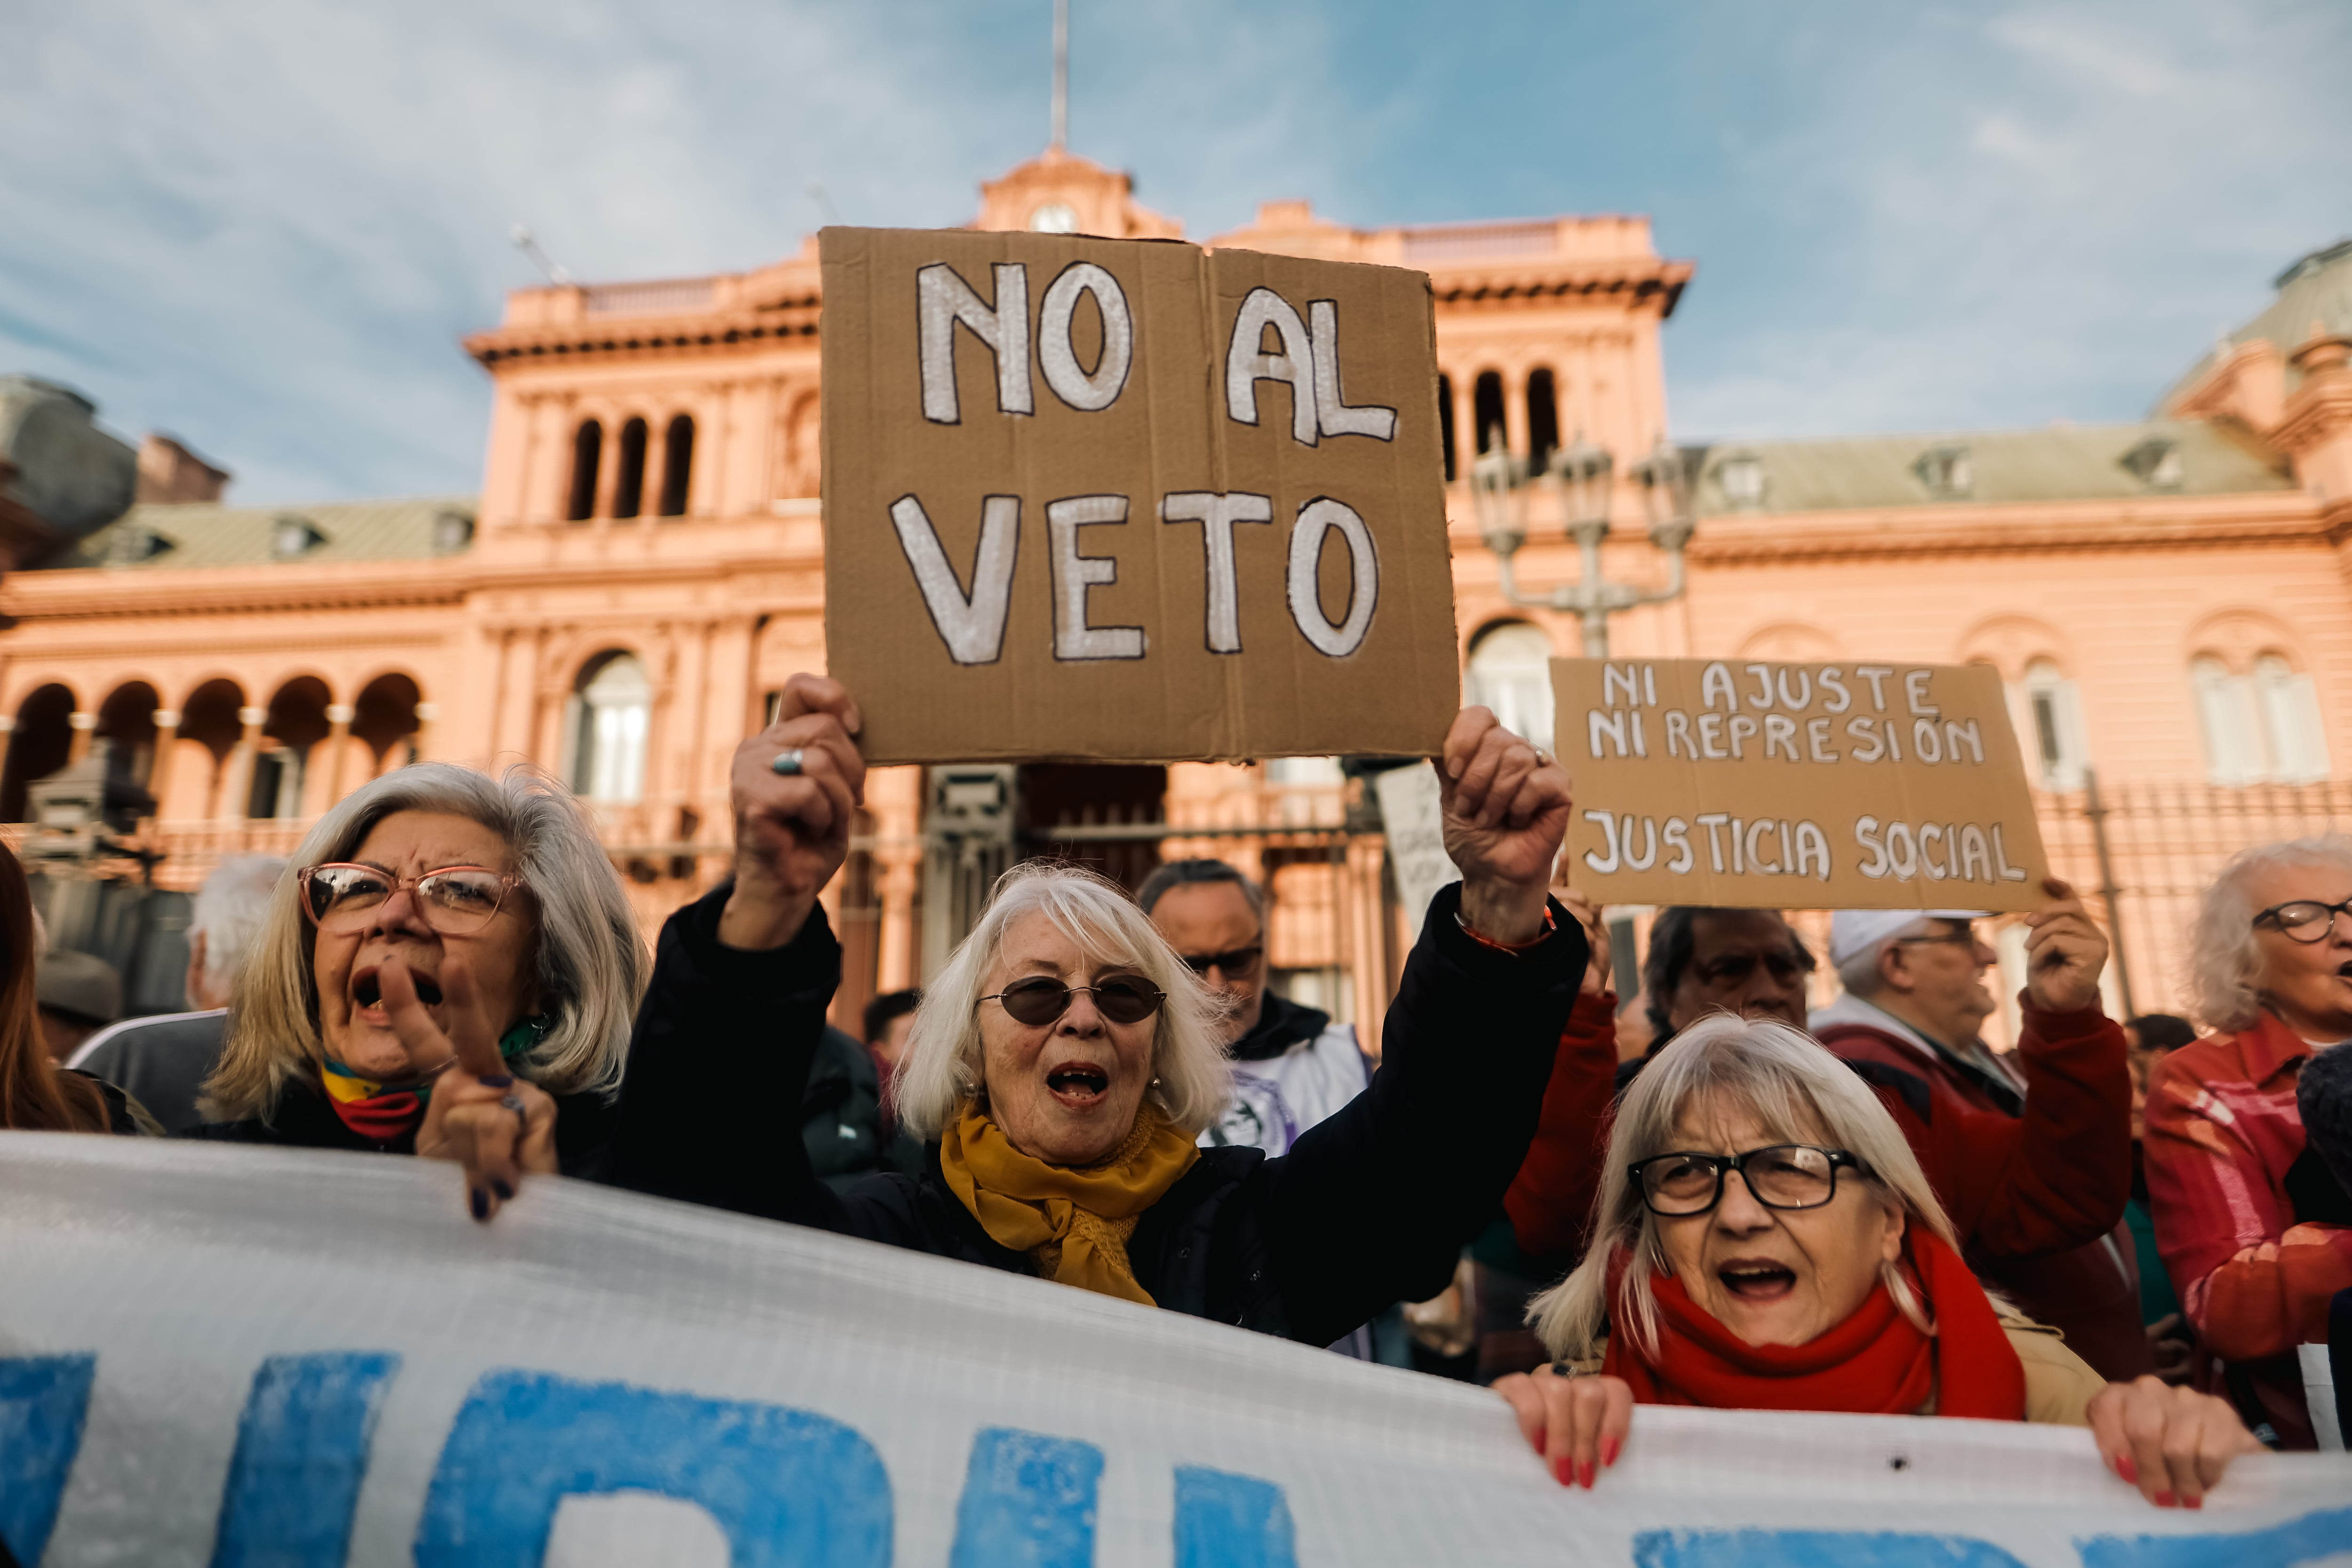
[(2306, 919), (1122, 999), (1239, 965), (1784, 1176)]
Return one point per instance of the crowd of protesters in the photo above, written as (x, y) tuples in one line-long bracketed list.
[(1725, 1198)]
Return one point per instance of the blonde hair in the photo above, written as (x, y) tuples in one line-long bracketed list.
[(944, 1067), (590, 964), (2225, 958), (1797, 1092)]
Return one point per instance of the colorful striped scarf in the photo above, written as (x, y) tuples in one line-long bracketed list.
[(385, 1115)]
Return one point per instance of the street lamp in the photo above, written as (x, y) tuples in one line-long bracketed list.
[(1579, 476)]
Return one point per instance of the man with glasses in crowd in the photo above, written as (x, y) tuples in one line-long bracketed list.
[(1292, 1064), (2030, 1154)]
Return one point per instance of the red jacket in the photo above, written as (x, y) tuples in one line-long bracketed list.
[(2222, 1143), (1550, 1201), (2017, 1187), (2036, 1190)]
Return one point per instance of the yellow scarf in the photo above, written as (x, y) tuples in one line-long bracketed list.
[(1074, 1221)]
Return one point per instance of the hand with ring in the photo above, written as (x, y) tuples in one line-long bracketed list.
[(796, 786)]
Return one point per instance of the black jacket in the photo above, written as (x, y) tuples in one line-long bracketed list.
[(1371, 1207), (841, 1116), (304, 1119)]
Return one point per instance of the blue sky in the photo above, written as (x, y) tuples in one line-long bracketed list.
[(262, 225)]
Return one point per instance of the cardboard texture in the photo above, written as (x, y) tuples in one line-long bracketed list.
[(1130, 501), (1762, 785)]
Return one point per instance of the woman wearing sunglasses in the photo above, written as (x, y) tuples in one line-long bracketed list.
[(2257, 1237), (449, 969), (1062, 1065), (1765, 1240)]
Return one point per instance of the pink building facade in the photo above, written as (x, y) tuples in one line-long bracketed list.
[(643, 567)]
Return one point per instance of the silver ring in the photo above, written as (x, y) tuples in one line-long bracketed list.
[(786, 762), (514, 1102)]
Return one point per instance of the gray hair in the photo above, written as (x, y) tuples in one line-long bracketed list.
[(229, 909), (590, 963), (1187, 873), (944, 1066), (1860, 975), (2225, 960), (1798, 1092)]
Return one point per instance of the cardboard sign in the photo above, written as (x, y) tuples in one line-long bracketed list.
[(1412, 821), (1121, 499), (1757, 785)]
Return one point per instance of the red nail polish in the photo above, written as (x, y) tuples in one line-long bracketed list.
[(1559, 1467), (1608, 1447), (2164, 1499), (1536, 1442), (1584, 1474), (2192, 1502), (2126, 1469)]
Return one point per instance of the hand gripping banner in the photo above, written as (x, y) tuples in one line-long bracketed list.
[(230, 1356)]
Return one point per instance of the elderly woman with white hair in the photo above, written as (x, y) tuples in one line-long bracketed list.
[(1765, 1239), (2257, 1237), (1062, 1064), (449, 970)]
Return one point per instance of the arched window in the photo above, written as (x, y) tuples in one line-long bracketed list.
[(1486, 409), (2055, 712), (587, 451), (1445, 423), (610, 713), (1510, 672), (2230, 723), (629, 478), (677, 465), (38, 744), (1543, 419), (2290, 708)]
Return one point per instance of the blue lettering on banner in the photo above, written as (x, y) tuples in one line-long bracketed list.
[(43, 1399), (1028, 1502), (786, 1486), (2305, 1540), (1812, 1549), (1230, 1522), (301, 1452)]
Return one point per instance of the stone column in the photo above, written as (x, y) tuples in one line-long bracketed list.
[(1466, 425), (338, 734), (81, 724), (167, 745), (427, 712), (236, 787)]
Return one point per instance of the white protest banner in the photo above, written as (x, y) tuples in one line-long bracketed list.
[(1753, 784), (1131, 500), (241, 1356)]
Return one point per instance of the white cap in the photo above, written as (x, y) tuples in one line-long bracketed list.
[(1853, 933)]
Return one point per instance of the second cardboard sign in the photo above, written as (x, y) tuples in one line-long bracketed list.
[(1752, 784), (1131, 500)]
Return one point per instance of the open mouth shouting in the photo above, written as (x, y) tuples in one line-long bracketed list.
[(1078, 1086), (1757, 1279), (367, 993)]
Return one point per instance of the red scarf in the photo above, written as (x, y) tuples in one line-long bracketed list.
[(1875, 1362)]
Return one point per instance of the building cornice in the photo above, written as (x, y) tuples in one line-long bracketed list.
[(2215, 523)]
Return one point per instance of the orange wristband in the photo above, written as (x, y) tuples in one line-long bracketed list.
[(1536, 940)]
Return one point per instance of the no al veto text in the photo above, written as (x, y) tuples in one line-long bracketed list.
[(971, 624), (1766, 847)]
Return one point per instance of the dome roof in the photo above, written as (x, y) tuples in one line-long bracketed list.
[(2316, 290)]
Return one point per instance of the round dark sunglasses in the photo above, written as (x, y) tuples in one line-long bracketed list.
[(1122, 999)]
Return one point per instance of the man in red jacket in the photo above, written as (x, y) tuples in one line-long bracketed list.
[(2024, 1176), (2032, 1154)]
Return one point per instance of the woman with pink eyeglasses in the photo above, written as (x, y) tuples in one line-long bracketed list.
[(449, 969)]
